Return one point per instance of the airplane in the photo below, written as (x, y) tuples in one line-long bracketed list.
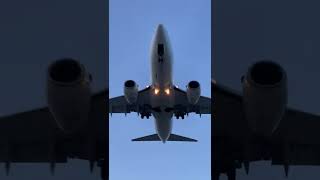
[(162, 99), (257, 125), (73, 125)]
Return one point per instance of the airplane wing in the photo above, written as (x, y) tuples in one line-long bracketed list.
[(33, 136), (120, 105), (203, 105), (299, 132), (295, 142), (227, 110)]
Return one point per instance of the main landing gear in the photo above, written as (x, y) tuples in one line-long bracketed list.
[(103, 166)]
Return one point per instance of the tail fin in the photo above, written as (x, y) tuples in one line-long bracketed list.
[(173, 137)]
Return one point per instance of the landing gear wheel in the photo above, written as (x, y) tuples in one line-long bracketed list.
[(216, 176), (231, 174), (103, 167)]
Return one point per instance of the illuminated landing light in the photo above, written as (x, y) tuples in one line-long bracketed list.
[(167, 91), (156, 91)]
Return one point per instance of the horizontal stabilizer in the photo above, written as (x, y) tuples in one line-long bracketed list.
[(153, 137), (173, 137)]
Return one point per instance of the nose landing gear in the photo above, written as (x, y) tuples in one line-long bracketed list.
[(160, 59), (160, 52)]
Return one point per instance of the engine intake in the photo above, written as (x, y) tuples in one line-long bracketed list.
[(131, 91), (266, 73), (69, 94), (129, 84), (193, 92), (194, 84), (65, 71)]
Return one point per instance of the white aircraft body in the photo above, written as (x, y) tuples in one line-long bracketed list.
[(162, 98)]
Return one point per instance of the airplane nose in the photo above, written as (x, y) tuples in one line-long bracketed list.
[(160, 33), (160, 27)]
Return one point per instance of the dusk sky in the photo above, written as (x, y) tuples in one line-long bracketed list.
[(132, 26), (284, 31), (33, 34)]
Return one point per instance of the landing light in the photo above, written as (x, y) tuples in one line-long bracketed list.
[(156, 91), (167, 91)]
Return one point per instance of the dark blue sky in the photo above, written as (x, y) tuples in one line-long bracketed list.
[(34, 33), (284, 31), (132, 25)]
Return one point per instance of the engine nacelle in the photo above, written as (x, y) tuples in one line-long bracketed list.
[(193, 92), (264, 97), (69, 94), (131, 91)]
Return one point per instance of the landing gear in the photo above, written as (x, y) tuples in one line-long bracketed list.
[(160, 52), (231, 174), (103, 165), (224, 159), (145, 111), (179, 114), (216, 176), (145, 114)]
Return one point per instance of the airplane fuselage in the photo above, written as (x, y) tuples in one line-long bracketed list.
[(162, 96)]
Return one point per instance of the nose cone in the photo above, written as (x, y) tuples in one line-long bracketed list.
[(160, 36), (160, 27)]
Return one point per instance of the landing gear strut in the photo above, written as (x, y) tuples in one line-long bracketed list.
[(216, 176), (103, 166), (231, 174)]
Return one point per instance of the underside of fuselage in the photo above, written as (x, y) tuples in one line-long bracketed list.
[(163, 123), (162, 94)]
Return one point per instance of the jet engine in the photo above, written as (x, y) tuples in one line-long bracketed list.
[(264, 96), (69, 94), (193, 92), (131, 91)]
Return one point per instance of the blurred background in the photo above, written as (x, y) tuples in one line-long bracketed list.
[(32, 35), (283, 31)]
